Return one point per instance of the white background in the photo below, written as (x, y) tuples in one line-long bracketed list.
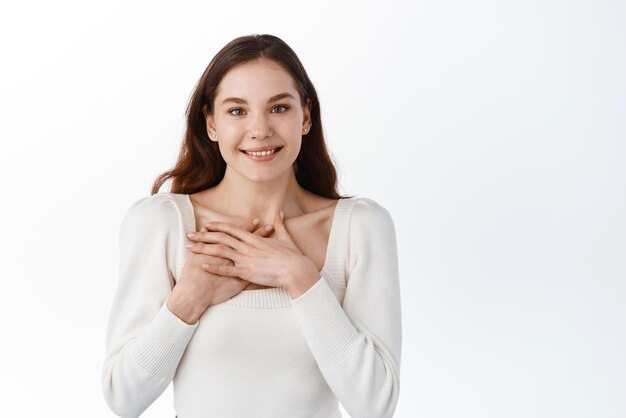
[(493, 131)]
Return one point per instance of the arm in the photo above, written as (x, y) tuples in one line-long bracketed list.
[(358, 346), (145, 340)]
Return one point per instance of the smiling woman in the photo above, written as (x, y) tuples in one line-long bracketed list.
[(254, 123), (253, 285)]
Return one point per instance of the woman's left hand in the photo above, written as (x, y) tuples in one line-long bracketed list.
[(275, 262)]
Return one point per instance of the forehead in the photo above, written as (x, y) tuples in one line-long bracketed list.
[(256, 79)]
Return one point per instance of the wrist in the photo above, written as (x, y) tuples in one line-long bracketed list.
[(303, 279), (184, 309)]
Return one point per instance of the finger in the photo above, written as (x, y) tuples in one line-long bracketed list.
[(228, 271), (216, 250), (215, 260), (251, 225), (264, 231), (241, 281), (234, 231), (217, 238)]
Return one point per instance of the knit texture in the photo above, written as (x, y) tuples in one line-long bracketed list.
[(259, 353)]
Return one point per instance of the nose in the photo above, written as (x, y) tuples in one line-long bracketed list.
[(259, 127)]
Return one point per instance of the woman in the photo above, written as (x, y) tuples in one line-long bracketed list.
[(284, 299)]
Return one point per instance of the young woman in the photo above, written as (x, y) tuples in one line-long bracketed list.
[(252, 285)]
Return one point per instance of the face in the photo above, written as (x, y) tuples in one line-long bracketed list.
[(258, 121)]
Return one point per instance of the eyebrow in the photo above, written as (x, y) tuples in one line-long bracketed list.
[(272, 99)]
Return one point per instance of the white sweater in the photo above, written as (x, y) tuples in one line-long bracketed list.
[(260, 353)]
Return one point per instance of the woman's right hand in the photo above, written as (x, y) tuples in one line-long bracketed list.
[(197, 289)]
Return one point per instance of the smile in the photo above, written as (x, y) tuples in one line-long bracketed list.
[(264, 155), (261, 153)]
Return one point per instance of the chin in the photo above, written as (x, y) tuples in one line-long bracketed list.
[(262, 179), (267, 177)]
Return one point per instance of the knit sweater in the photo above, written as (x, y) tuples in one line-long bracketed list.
[(260, 353)]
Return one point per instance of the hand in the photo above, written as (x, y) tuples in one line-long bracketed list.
[(275, 262), (197, 289)]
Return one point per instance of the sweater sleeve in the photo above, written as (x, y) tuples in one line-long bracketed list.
[(145, 340), (358, 345)]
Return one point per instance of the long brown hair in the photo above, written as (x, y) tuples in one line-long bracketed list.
[(200, 164)]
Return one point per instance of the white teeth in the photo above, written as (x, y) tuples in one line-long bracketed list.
[(261, 153)]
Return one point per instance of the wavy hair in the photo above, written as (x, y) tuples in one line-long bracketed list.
[(200, 164)]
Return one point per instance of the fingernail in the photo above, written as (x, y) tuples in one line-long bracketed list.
[(255, 221), (282, 215), (189, 245), (268, 227), (191, 235)]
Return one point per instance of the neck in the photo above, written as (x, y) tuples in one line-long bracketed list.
[(237, 196)]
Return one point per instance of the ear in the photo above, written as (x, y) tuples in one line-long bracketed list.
[(306, 122), (210, 124)]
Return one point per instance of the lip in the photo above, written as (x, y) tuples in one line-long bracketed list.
[(259, 149), (268, 157)]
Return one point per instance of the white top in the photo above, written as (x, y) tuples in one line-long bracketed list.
[(260, 353)]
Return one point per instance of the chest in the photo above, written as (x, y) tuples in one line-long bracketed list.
[(311, 236), (310, 233)]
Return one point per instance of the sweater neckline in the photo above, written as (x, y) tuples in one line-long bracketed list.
[(274, 297)]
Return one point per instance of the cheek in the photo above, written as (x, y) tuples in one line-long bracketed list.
[(294, 149), (227, 144), (289, 125), (230, 129), (226, 123), (229, 136)]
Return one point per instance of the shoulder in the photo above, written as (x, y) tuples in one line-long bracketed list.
[(369, 224), (153, 205), (368, 212), (155, 211), (372, 235)]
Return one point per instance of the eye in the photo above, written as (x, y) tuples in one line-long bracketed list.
[(279, 109), (236, 111)]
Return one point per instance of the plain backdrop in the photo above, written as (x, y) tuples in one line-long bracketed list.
[(493, 132)]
